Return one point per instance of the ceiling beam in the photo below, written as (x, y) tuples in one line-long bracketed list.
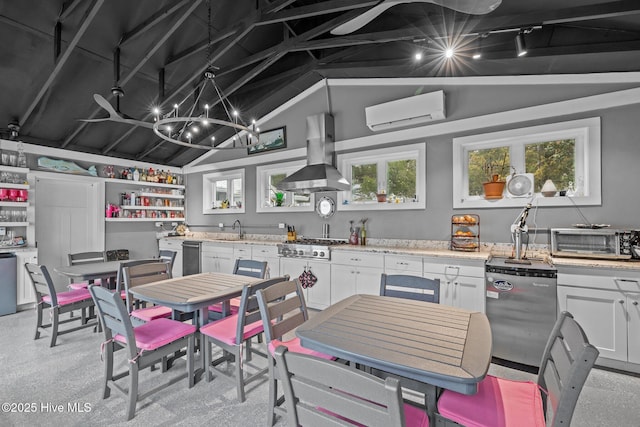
[(151, 21), (90, 13), (67, 9), (316, 9)]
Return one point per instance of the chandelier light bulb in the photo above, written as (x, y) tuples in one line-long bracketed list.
[(418, 56), (213, 138), (195, 129), (448, 53)]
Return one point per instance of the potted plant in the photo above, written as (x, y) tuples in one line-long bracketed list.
[(494, 171), (381, 195), (279, 198)]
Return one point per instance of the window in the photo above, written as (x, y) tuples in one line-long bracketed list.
[(223, 191), (270, 199), (388, 178), (566, 153)]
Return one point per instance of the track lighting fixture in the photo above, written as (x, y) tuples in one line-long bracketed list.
[(521, 46)]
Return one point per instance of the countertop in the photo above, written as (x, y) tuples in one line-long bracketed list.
[(425, 248)]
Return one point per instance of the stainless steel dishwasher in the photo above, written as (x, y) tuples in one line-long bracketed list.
[(191, 257), (7, 283), (521, 304)]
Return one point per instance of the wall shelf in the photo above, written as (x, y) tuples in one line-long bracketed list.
[(143, 183), (144, 219), (152, 208), (14, 204), (14, 224)]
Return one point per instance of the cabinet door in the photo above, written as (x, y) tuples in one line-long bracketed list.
[(173, 245), (601, 314), (242, 252), (217, 259), (446, 288), (633, 331), (468, 293), (319, 295), (269, 254), (24, 292), (368, 280), (343, 282)]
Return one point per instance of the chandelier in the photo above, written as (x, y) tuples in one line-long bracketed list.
[(197, 122)]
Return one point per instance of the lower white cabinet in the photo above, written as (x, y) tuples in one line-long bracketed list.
[(24, 291), (217, 258), (319, 295), (355, 273), (606, 303), (173, 245), (267, 253), (461, 284)]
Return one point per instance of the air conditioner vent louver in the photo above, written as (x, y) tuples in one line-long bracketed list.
[(406, 112)]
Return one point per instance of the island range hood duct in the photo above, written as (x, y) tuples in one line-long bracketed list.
[(320, 173)]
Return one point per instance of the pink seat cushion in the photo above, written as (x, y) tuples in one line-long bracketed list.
[(157, 333), (234, 304), (498, 403), (84, 285), (414, 417), (150, 313), (225, 329), (294, 345), (69, 297)]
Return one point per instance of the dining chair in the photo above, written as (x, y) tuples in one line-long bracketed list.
[(281, 315), (566, 362), (167, 256), (140, 272), (234, 332), (58, 302), (85, 258), (410, 287), (145, 345), (243, 267), (321, 392)]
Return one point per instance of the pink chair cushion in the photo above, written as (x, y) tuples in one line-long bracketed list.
[(294, 345), (84, 285), (151, 313), (157, 333), (225, 329), (498, 403), (69, 297), (414, 417), (234, 304)]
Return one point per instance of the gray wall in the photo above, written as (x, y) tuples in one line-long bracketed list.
[(620, 156)]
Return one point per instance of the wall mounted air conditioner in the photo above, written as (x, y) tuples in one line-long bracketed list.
[(406, 112)]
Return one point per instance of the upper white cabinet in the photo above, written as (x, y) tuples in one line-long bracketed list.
[(144, 201)]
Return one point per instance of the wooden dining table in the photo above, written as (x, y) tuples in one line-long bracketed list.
[(105, 271), (435, 346)]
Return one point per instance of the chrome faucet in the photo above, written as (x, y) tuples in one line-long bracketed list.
[(233, 227)]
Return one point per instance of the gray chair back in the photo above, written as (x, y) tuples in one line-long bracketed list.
[(410, 287), (566, 363), (249, 267), (87, 257), (320, 392), (280, 314), (249, 310), (123, 264), (114, 316), (41, 282), (167, 256), (140, 273)]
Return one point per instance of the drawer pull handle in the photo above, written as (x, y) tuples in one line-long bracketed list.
[(403, 263), (635, 303), (356, 259), (621, 301)]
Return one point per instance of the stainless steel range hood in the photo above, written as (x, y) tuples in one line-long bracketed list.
[(320, 173)]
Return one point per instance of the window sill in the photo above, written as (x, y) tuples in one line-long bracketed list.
[(537, 200), (220, 211), (376, 206)]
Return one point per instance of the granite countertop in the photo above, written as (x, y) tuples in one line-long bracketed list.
[(426, 248)]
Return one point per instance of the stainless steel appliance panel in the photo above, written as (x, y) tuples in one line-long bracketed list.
[(191, 257), (521, 304), (8, 286)]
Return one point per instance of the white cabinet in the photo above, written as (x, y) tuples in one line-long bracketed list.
[(355, 273), (267, 253), (176, 246), (24, 291), (606, 303), (461, 282), (217, 257), (14, 196), (403, 264), (319, 295)]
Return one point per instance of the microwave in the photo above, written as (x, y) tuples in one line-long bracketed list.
[(604, 243)]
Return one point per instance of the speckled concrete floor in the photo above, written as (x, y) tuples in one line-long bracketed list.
[(71, 374)]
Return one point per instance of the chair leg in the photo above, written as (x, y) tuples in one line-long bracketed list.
[(54, 326), (205, 346), (273, 393), (38, 321), (108, 369), (191, 344), (133, 390), (239, 374), (248, 350)]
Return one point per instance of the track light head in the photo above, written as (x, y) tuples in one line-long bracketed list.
[(521, 46)]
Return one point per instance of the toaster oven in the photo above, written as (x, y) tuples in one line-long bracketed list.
[(604, 243)]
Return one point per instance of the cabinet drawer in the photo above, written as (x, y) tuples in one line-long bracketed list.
[(264, 251), (173, 245), (607, 280), (357, 259), (242, 251), (400, 263), (217, 249), (453, 269)]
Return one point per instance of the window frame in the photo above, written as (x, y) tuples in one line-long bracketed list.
[(586, 133), (209, 186), (404, 152), (261, 186)]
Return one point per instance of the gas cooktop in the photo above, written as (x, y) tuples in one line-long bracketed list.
[(309, 248)]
